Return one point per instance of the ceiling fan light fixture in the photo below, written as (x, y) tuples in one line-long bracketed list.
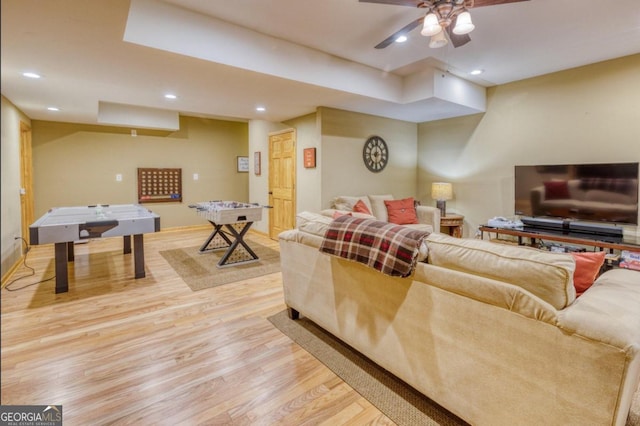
[(438, 40), (463, 24), (431, 25)]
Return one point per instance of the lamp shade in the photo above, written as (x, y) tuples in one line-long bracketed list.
[(463, 24), (441, 191), (431, 25), (438, 40)]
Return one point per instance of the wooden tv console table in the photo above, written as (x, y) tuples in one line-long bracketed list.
[(533, 234)]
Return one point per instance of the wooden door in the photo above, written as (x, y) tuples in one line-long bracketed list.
[(282, 181), (26, 180)]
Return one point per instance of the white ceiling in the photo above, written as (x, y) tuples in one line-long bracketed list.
[(225, 57)]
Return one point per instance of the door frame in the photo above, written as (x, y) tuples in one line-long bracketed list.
[(26, 180)]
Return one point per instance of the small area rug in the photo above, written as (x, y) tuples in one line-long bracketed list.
[(200, 270), (396, 399)]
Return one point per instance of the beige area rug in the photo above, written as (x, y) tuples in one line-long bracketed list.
[(200, 270), (396, 399)]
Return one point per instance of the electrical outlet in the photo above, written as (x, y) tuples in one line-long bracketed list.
[(118, 177)]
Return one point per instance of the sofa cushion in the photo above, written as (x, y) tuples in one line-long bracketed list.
[(401, 212), (420, 227), (331, 212), (313, 223), (378, 209), (544, 274), (338, 213), (588, 266), (361, 207), (346, 202)]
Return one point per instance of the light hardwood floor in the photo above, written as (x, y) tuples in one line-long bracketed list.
[(116, 350)]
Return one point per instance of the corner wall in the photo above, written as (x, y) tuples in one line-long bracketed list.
[(10, 212), (259, 184), (343, 171), (589, 114)]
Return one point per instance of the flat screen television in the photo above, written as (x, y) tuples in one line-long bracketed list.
[(590, 192)]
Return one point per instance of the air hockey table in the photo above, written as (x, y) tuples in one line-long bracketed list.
[(231, 220), (63, 226)]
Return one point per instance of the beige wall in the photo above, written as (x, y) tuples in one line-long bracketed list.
[(343, 171), (259, 184), (585, 115), (77, 165), (10, 167), (308, 181)]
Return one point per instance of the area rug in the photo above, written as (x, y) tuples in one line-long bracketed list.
[(393, 397), (200, 271), (396, 399)]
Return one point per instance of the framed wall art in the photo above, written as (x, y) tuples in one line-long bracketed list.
[(309, 158), (243, 164), (256, 163)]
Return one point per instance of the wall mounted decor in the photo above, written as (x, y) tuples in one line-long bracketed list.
[(309, 158), (243, 164), (256, 163), (159, 185)]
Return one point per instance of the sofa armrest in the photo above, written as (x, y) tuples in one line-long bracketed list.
[(430, 216)]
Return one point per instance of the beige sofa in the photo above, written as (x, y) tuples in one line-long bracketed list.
[(494, 333), (428, 217)]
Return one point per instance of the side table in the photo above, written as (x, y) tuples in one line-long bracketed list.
[(454, 223)]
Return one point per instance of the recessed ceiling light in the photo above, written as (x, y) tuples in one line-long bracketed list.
[(476, 72), (261, 109), (53, 108), (31, 75), (401, 39), (170, 96)]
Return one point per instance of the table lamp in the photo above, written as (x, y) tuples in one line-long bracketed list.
[(441, 192)]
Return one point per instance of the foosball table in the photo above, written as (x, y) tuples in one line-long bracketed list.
[(231, 220)]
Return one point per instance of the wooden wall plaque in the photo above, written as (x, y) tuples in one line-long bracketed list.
[(309, 158)]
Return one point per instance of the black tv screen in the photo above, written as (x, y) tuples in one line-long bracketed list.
[(592, 192)]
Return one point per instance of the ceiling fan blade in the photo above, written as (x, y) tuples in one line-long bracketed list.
[(457, 39), (404, 30), (481, 3), (410, 3)]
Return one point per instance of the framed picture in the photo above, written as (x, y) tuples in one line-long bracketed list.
[(256, 163), (309, 158), (243, 164)]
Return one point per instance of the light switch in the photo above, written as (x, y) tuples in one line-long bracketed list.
[(195, 176), (118, 177)]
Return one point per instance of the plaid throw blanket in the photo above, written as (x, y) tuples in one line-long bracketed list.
[(389, 248)]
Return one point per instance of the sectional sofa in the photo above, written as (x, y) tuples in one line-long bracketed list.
[(494, 333)]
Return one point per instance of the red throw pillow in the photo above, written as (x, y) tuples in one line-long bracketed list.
[(556, 190), (337, 214), (588, 266), (361, 207), (401, 212)]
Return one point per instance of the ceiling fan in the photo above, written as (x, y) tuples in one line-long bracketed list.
[(450, 16)]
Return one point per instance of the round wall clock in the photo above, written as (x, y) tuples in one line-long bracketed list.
[(375, 154)]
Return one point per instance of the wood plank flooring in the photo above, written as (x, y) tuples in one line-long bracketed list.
[(119, 351)]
